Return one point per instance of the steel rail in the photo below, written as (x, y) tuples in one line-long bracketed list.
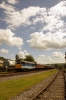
[(41, 92)]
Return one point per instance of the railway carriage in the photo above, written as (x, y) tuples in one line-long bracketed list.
[(49, 67), (39, 66)]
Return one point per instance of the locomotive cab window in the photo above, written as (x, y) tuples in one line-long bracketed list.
[(18, 62), (23, 63)]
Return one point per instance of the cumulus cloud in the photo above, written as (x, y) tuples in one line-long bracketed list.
[(40, 59), (43, 59), (23, 16), (52, 18), (58, 55), (22, 54), (49, 59), (53, 60), (4, 51), (42, 56), (9, 38), (12, 1), (55, 17), (7, 7), (47, 41)]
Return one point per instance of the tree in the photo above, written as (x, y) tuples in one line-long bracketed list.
[(16, 57), (29, 58)]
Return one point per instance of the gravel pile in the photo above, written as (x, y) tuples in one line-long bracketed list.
[(30, 93)]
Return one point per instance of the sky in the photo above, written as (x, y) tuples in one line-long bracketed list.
[(33, 27)]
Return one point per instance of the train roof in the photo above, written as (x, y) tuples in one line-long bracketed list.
[(26, 62), (39, 64), (48, 65)]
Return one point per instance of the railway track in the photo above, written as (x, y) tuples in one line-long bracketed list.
[(55, 90), (7, 74)]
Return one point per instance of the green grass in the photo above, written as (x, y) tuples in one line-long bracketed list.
[(11, 88)]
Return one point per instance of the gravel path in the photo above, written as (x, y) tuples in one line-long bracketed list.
[(2, 79), (27, 95)]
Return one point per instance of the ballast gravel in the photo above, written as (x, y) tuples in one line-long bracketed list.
[(30, 93), (3, 79)]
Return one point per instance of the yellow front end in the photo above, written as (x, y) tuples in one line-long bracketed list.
[(18, 66)]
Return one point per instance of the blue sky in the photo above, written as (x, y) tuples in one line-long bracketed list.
[(35, 27)]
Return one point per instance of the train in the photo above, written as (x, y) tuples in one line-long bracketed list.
[(21, 65)]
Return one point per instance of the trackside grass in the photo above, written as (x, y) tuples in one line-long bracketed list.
[(10, 88)]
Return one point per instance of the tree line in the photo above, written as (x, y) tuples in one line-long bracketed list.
[(2, 58), (29, 58)]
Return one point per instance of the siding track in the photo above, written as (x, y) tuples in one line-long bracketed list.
[(55, 90), (8, 74)]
